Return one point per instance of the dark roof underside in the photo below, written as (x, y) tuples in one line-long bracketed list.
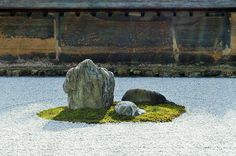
[(118, 4)]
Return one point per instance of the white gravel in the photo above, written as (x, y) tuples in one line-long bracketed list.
[(204, 132)]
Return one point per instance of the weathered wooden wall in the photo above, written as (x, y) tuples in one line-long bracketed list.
[(23, 35), (233, 32), (168, 38)]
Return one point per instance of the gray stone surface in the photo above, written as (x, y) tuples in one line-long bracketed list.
[(128, 108), (143, 96), (89, 86)]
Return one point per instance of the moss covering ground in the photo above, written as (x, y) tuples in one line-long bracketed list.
[(154, 113)]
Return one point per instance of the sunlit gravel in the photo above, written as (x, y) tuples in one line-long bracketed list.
[(208, 127)]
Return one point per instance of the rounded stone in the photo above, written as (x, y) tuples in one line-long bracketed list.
[(141, 96), (128, 108)]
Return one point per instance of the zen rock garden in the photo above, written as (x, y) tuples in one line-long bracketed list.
[(90, 91)]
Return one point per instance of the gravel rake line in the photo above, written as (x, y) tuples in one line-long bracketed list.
[(27, 103)]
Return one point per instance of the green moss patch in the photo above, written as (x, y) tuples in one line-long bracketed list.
[(154, 113)]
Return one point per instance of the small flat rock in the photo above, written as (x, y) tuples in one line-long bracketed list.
[(128, 108)]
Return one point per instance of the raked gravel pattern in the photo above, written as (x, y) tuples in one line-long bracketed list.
[(208, 127)]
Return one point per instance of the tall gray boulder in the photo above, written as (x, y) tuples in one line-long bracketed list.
[(89, 86)]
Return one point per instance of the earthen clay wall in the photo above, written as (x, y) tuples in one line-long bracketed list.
[(233, 32), (164, 38)]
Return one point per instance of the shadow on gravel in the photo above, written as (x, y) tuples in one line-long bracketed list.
[(61, 126)]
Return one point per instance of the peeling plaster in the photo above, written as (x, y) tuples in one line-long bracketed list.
[(226, 51)]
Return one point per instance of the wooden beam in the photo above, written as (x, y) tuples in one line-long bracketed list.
[(57, 34), (233, 32), (55, 10)]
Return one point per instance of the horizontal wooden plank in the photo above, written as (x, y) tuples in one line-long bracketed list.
[(118, 4)]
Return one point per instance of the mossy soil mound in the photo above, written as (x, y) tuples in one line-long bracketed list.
[(154, 113)]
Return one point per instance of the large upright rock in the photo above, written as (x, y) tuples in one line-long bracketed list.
[(89, 86)]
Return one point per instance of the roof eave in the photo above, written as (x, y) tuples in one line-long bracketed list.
[(77, 9)]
